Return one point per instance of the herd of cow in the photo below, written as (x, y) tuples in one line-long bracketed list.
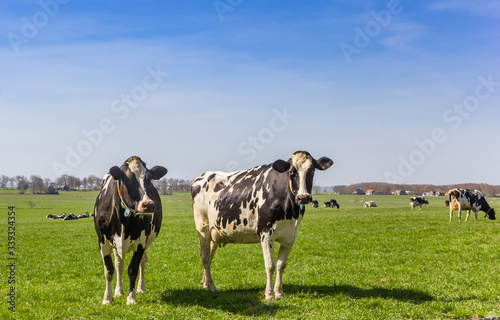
[(71, 216), (264, 204)]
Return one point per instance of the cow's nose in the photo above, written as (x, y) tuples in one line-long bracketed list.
[(304, 198), (146, 206)]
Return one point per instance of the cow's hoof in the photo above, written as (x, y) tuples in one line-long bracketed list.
[(209, 286), (131, 298), (269, 297), (106, 302), (278, 295), (141, 290), (118, 294)]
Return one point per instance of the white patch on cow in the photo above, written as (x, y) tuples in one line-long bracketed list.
[(302, 163), (140, 173), (106, 180)]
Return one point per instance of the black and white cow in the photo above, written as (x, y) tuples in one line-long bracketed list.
[(263, 204), (418, 202), (334, 203), (466, 199), (315, 204), (128, 217)]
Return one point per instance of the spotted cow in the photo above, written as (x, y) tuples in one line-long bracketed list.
[(418, 202), (127, 218), (263, 204), (370, 204), (466, 199)]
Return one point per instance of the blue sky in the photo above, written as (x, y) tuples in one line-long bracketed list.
[(393, 91)]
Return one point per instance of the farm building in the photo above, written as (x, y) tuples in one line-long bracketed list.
[(359, 192)]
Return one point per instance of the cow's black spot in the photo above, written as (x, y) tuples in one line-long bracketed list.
[(194, 191), (219, 186)]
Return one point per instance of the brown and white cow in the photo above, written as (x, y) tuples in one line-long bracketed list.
[(418, 202), (466, 199), (263, 204), (127, 218), (370, 204)]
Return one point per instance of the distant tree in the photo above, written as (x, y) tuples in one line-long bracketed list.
[(12, 181), (4, 180), (94, 182), (72, 182), (47, 183), (62, 180), (37, 184), (22, 183)]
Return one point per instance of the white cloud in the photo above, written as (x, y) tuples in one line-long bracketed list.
[(484, 8), (404, 36)]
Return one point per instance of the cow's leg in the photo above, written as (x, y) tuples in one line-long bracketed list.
[(109, 271), (459, 214), (476, 211), (133, 270), (119, 265), (468, 214), (270, 263), (141, 286), (207, 252), (281, 265)]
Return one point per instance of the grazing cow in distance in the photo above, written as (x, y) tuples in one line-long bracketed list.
[(315, 204), (447, 203), (264, 204), (127, 218), (418, 202), (334, 203), (466, 199), (370, 204)]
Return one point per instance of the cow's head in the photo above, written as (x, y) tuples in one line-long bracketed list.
[(301, 167), (490, 214), (134, 181)]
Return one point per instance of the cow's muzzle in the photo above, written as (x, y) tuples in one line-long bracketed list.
[(304, 198), (146, 206)]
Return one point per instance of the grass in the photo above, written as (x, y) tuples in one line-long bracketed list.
[(353, 263)]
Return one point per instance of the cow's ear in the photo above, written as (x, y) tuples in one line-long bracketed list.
[(157, 172), (281, 165), (116, 173), (322, 163)]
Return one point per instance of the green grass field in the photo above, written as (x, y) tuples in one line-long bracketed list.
[(353, 263)]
